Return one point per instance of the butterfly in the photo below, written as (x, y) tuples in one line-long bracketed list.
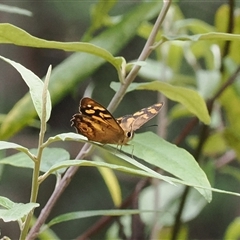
[(97, 124)]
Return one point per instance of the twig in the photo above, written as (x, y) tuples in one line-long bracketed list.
[(143, 56), (63, 183), (186, 130), (177, 223), (36, 169), (113, 104), (225, 159)]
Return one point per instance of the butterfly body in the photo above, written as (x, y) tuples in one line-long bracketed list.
[(96, 123)]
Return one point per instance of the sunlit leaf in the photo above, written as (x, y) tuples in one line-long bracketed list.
[(232, 139), (6, 203), (230, 101), (194, 25), (111, 182), (177, 161), (215, 144), (66, 137), (232, 171), (215, 36), (90, 213), (208, 88), (233, 230), (188, 97), (222, 18), (35, 85), (8, 145), (14, 211), (49, 158), (100, 15), (169, 203), (146, 172), (11, 34)]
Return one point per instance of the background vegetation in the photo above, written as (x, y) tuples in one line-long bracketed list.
[(194, 53)]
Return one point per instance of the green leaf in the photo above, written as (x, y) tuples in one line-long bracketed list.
[(235, 44), (188, 97), (8, 145), (207, 88), (215, 144), (12, 34), (146, 172), (178, 111), (232, 139), (35, 85), (233, 230), (14, 211), (202, 50), (177, 161), (222, 23), (66, 137), (18, 211), (145, 29), (6, 203), (111, 182), (213, 36), (77, 67), (194, 25), (46, 109), (49, 158), (99, 16), (230, 101), (232, 171), (84, 214), (151, 68), (170, 199), (222, 18)]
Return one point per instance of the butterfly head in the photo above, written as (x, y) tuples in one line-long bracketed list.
[(126, 124)]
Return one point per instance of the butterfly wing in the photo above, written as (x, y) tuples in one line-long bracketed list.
[(96, 123), (133, 122)]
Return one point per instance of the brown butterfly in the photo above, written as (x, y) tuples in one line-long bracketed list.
[(97, 124)]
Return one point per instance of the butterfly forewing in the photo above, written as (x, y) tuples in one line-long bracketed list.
[(96, 123)]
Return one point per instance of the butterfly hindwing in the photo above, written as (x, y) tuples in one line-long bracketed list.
[(136, 120)]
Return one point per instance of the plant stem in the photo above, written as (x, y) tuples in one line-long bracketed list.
[(113, 104), (37, 163), (33, 198), (143, 56), (35, 186)]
